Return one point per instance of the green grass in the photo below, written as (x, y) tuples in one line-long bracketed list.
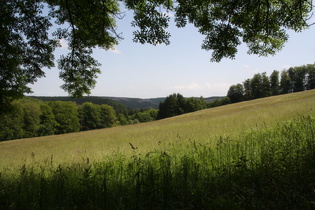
[(251, 155), (273, 168), (203, 127)]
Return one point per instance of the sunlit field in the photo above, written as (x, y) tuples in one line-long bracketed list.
[(203, 126), (251, 155)]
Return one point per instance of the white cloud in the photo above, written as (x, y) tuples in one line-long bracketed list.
[(192, 86), (115, 50), (206, 87), (245, 67), (217, 86)]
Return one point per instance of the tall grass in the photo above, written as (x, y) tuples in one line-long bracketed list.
[(270, 168), (202, 127)]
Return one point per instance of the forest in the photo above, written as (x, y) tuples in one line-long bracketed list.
[(32, 117)]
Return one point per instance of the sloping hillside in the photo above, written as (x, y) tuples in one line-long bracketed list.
[(202, 126)]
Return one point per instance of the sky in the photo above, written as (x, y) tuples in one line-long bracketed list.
[(145, 71)]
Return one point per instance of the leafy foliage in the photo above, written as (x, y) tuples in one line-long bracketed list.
[(275, 83), (32, 114), (66, 116), (47, 121), (11, 124), (26, 47), (108, 116), (260, 24), (294, 79), (176, 104), (33, 117), (285, 82), (94, 116), (117, 105), (89, 115), (235, 93), (219, 102), (260, 86)]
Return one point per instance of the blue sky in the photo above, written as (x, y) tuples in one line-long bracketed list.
[(145, 71)]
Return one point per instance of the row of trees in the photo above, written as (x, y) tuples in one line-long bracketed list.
[(119, 107), (32, 118), (176, 104), (292, 80)]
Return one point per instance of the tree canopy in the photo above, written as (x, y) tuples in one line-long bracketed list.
[(294, 79), (26, 45), (175, 104)]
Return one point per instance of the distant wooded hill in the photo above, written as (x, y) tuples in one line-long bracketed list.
[(119, 107), (116, 102)]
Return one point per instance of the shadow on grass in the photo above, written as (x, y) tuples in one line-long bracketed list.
[(272, 168)]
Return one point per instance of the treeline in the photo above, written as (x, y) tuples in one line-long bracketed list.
[(119, 107), (32, 118), (288, 81), (176, 104), (294, 79)]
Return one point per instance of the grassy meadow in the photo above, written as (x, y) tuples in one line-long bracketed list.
[(257, 154), (204, 126)]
